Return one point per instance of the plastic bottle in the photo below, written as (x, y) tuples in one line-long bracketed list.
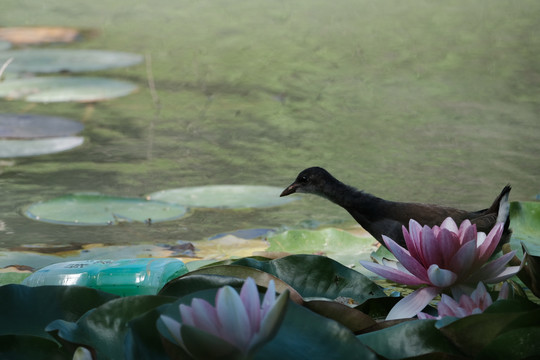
[(143, 276)]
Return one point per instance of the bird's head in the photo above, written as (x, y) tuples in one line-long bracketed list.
[(311, 180)]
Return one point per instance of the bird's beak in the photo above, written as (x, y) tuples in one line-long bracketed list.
[(291, 189)]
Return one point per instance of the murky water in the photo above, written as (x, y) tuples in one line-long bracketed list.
[(417, 100)]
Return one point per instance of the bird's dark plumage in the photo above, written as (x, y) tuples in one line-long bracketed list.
[(382, 217)]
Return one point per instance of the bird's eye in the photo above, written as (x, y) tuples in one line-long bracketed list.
[(303, 179)]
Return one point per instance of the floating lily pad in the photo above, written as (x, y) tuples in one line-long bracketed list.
[(20, 148), (525, 224), (61, 60), (22, 126), (57, 89), (4, 45), (337, 244), (99, 209), (223, 196), (38, 34)]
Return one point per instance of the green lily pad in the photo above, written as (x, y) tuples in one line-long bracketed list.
[(62, 60), (21, 126), (58, 89), (223, 196), (337, 244), (20, 148), (99, 209), (525, 225)]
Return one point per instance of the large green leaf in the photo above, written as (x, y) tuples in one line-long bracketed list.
[(337, 244), (408, 339), (62, 60), (27, 310), (104, 328), (36, 126), (223, 196), (478, 333), (525, 224), (21, 347), (20, 148), (99, 209), (318, 277), (59, 89)]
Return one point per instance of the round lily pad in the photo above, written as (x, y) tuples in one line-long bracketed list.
[(223, 196), (19, 148), (24, 126), (99, 209), (57, 89), (63, 60)]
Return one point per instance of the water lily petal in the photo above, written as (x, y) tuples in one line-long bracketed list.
[(413, 303), (448, 307), (450, 225), (493, 269), (187, 315), (233, 318), (271, 321), (506, 274), (441, 278), (405, 258), (449, 244), (463, 260), (430, 247), (488, 246), (504, 292), (203, 345), (173, 327), (252, 302), (205, 316), (467, 233), (269, 299), (392, 274), (415, 235)]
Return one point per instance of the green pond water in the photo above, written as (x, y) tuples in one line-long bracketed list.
[(409, 100)]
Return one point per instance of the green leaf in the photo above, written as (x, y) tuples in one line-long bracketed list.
[(474, 333), (21, 347), (98, 209), (337, 244), (62, 60), (525, 224), (223, 196), (408, 339), (515, 344), (143, 343), (105, 327), (20, 148), (60, 89), (27, 310), (318, 277), (36, 126)]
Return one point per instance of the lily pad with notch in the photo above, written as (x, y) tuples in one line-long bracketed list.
[(99, 209), (223, 196)]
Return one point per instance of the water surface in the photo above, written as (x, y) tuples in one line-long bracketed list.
[(414, 101)]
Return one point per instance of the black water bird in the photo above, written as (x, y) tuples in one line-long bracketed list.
[(382, 217)]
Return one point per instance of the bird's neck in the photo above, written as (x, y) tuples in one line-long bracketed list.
[(348, 197)]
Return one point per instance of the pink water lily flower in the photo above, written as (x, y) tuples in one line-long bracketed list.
[(237, 324), (476, 303), (442, 258)]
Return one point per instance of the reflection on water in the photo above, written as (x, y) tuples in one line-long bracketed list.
[(432, 102)]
